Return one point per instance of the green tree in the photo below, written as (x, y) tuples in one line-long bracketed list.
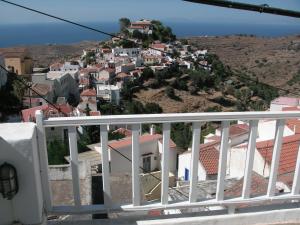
[(152, 108), (170, 92), (137, 34), (124, 24), (57, 150), (181, 134), (147, 74)]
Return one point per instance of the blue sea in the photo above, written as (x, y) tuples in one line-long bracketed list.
[(61, 33)]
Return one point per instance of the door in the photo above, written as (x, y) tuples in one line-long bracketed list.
[(186, 174), (147, 164)]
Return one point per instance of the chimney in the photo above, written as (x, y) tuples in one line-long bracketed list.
[(152, 129)]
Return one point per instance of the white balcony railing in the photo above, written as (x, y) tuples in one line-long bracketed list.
[(166, 119)]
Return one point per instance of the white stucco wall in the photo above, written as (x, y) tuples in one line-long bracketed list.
[(18, 146), (266, 130), (260, 166), (184, 162), (172, 157), (119, 164), (236, 162)]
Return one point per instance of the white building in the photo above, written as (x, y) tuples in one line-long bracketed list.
[(279, 103), (125, 68), (209, 153), (110, 93), (158, 49), (65, 67), (150, 154), (63, 83), (263, 157), (131, 52), (207, 164)]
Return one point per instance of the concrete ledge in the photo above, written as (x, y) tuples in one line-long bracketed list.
[(283, 216)]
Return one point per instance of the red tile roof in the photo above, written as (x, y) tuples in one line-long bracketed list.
[(28, 115), (95, 113), (89, 92), (136, 27), (294, 125), (286, 101), (259, 186), (56, 66), (237, 130), (123, 131), (287, 179), (123, 75), (209, 157), (158, 46), (289, 152), (291, 108), (142, 139)]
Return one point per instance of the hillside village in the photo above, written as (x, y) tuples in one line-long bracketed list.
[(115, 77)]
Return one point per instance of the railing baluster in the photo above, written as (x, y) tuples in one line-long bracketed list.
[(276, 157), (194, 162), (296, 181), (43, 156), (250, 159), (74, 165), (105, 165), (165, 163), (222, 161), (136, 201)]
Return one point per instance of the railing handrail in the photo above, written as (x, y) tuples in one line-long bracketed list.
[(167, 118)]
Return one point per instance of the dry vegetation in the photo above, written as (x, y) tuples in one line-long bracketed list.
[(271, 60)]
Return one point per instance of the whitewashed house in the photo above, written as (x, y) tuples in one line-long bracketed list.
[(207, 165), (63, 84), (209, 153), (263, 157), (150, 154), (88, 98), (158, 49), (125, 68), (110, 93), (130, 52), (105, 76), (279, 103)]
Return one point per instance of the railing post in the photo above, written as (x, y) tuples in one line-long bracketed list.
[(194, 162), (136, 201), (276, 157), (43, 158), (296, 181), (222, 161), (165, 163), (74, 165), (250, 159), (105, 165)]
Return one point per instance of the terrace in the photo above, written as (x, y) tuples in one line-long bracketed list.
[(23, 145)]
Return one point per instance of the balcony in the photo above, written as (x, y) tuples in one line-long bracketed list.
[(24, 146)]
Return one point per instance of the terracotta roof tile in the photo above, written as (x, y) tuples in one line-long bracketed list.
[(28, 115), (237, 130), (89, 92), (259, 186), (209, 157), (143, 139), (288, 155), (123, 131)]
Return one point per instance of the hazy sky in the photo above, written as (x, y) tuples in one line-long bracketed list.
[(168, 10)]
